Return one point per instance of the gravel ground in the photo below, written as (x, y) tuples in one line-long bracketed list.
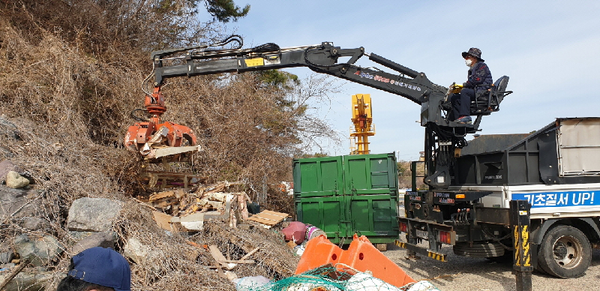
[(462, 273)]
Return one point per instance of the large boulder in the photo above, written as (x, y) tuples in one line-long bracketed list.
[(93, 214), (34, 224)]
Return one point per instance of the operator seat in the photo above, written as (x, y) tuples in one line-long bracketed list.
[(489, 101)]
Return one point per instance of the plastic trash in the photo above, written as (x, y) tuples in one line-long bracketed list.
[(299, 250), (250, 283), (423, 286), (364, 281)]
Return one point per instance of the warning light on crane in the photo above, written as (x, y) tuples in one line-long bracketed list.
[(362, 117)]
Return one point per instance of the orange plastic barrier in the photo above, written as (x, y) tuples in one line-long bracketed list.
[(361, 255), (319, 251)]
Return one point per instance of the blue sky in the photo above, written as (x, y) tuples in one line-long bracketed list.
[(550, 50)]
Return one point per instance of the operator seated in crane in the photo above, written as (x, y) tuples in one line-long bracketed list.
[(479, 81)]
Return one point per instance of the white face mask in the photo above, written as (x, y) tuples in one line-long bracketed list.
[(468, 62)]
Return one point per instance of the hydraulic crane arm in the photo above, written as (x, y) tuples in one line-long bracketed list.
[(324, 58)]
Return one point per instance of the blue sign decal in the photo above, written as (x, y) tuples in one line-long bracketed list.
[(559, 199)]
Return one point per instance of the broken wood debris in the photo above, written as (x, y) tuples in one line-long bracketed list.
[(189, 210), (166, 180)]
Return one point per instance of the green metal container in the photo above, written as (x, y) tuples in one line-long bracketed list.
[(344, 195)]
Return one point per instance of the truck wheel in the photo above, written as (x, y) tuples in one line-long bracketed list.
[(565, 252)]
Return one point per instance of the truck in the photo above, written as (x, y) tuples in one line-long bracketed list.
[(556, 169)]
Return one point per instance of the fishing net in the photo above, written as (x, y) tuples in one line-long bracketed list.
[(328, 278)]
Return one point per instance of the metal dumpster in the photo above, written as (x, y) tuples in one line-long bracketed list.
[(344, 195)]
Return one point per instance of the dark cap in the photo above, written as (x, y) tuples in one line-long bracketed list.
[(102, 266), (474, 52)]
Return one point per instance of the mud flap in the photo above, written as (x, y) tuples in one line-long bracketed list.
[(419, 250)]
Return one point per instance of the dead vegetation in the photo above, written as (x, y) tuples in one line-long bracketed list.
[(185, 263), (71, 74)]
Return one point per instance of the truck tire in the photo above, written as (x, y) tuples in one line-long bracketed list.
[(565, 252)]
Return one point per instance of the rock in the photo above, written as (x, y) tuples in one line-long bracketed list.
[(16, 181), (6, 257), (8, 129), (39, 250), (93, 214), (96, 239), (139, 253), (34, 223), (18, 203), (5, 153), (5, 167), (33, 280)]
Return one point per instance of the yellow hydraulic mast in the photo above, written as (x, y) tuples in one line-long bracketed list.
[(362, 118)]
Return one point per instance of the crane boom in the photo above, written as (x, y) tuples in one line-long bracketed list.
[(324, 58)]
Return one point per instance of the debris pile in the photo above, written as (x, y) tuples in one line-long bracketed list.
[(178, 209), (195, 260)]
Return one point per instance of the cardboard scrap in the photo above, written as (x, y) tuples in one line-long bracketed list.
[(162, 219), (268, 218), (193, 221)]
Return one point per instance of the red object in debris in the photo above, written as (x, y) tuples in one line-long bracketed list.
[(295, 231)]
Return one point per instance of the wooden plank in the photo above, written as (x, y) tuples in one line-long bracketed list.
[(268, 217), (161, 195), (216, 254), (218, 265), (249, 254), (169, 151)]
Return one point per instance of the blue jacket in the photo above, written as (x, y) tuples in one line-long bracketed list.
[(479, 77)]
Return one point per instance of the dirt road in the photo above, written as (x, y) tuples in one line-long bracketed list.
[(462, 274)]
